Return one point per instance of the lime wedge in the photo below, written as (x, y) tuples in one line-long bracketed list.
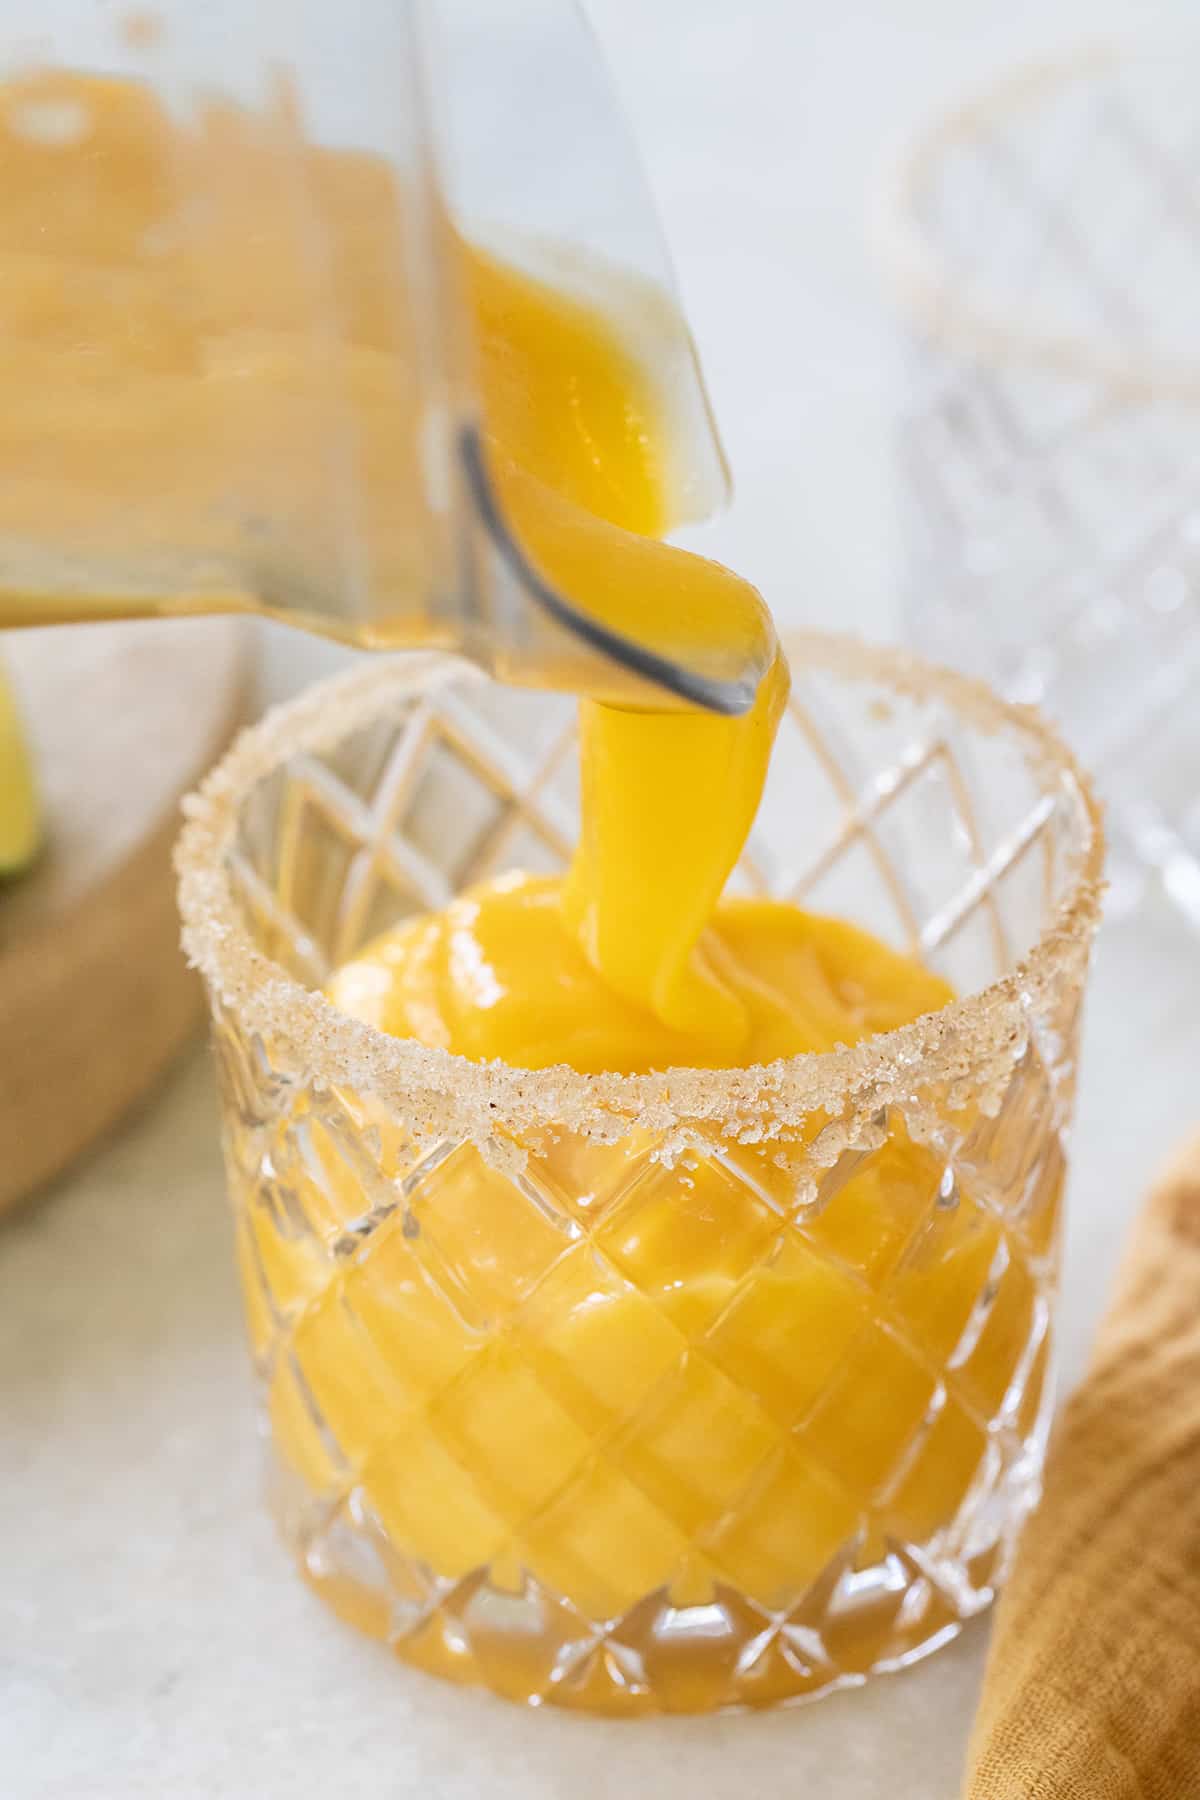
[(20, 821)]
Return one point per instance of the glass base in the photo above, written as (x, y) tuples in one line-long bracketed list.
[(527, 1644)]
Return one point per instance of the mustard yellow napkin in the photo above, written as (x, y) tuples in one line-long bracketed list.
[(1092, 1689)]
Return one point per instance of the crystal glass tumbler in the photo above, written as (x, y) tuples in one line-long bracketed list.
[(660, 1392), (1042, 245)]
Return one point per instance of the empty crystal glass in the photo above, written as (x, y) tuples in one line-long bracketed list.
[(1042, 240), (661, 1392)]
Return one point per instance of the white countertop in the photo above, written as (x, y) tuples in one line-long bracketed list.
[(153, 1639)]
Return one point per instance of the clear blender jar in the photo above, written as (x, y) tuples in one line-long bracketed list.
[(209, 415)]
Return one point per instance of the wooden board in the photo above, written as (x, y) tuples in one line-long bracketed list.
[(94, 994)]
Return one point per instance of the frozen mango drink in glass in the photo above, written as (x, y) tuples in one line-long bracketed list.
[(644, 1094), (645, 1124), (651, 1294), (648, 1233)]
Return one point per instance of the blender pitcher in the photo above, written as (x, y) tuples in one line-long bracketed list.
[(236, 353)]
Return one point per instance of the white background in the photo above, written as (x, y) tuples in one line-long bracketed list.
[(152, 1639)]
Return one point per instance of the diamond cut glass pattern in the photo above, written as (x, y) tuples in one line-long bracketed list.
[(1043, 239), (660, 1393)]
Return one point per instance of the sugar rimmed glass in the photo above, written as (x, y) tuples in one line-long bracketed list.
[(667, 1392)]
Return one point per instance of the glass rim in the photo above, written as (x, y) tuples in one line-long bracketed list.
[(503, 1108), (950, 306)]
